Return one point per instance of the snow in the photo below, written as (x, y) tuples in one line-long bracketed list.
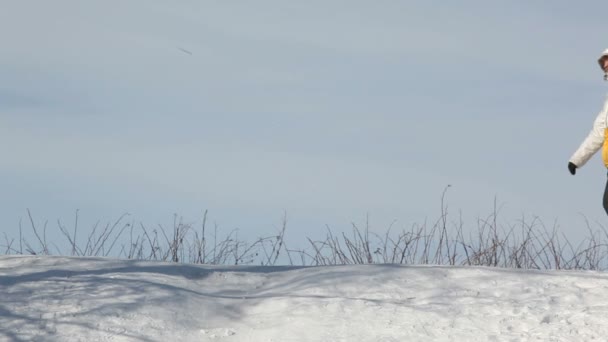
[(97, 299)]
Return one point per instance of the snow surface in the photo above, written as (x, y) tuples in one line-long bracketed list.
[(94, 299)]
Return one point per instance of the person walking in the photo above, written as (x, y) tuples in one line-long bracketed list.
[(597, 138)]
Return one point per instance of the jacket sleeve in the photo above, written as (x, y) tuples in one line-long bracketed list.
[(594, 140)]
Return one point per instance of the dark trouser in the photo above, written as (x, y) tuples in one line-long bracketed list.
[(606, 198)]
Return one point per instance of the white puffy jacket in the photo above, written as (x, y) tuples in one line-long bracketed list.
[(597, 138)]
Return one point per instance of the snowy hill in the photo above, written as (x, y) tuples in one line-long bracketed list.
[(93, 299)]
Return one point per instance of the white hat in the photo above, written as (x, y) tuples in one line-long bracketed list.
[(602, 56)]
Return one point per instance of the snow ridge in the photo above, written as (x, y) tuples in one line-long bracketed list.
[(96, 299)]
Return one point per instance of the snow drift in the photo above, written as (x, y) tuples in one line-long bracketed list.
[(95, 299)]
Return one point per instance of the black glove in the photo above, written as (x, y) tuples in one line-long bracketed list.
[(572, 168)]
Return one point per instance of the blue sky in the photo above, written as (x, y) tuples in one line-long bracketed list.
[(328, 110)]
